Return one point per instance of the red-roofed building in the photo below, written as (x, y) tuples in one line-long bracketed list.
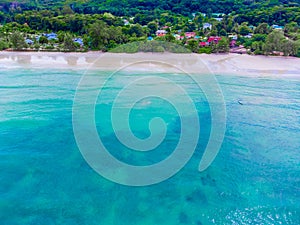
[(203, 44), (214, 39), (190, 34)]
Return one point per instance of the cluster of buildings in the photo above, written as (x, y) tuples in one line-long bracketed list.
[(204, 42), (212, 39), (50, 37), (186, 35), (209, 41), (179, 35)]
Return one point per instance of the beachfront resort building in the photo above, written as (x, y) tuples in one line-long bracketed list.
[(178, 37), (214, 39), (248, 35), (232, 43), (277, 27), (207, 26), (210, 40), (29, 41), (233, 36), (79, 41), (126, 22), (161, 33), (189, 35), (51, 36)]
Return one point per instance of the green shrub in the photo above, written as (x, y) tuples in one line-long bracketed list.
[(3, 45), (158, 49), (206, 50), (49, 47)]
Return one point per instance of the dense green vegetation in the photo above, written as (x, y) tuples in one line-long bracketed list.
[(132, 7), (104, 25)]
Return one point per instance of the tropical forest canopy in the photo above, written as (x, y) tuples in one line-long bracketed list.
[(106, 24), (132, 7)]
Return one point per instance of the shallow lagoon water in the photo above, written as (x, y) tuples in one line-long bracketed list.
[(255, 178)]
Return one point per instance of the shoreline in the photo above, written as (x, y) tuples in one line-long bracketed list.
[(219, 64)]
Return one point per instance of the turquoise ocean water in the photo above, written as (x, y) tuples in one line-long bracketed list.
[(44, 179)]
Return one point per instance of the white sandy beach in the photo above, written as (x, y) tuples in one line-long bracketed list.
[(234, 64)]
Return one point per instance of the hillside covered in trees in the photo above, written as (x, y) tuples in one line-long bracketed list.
[(205, 26), (132, 7)]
